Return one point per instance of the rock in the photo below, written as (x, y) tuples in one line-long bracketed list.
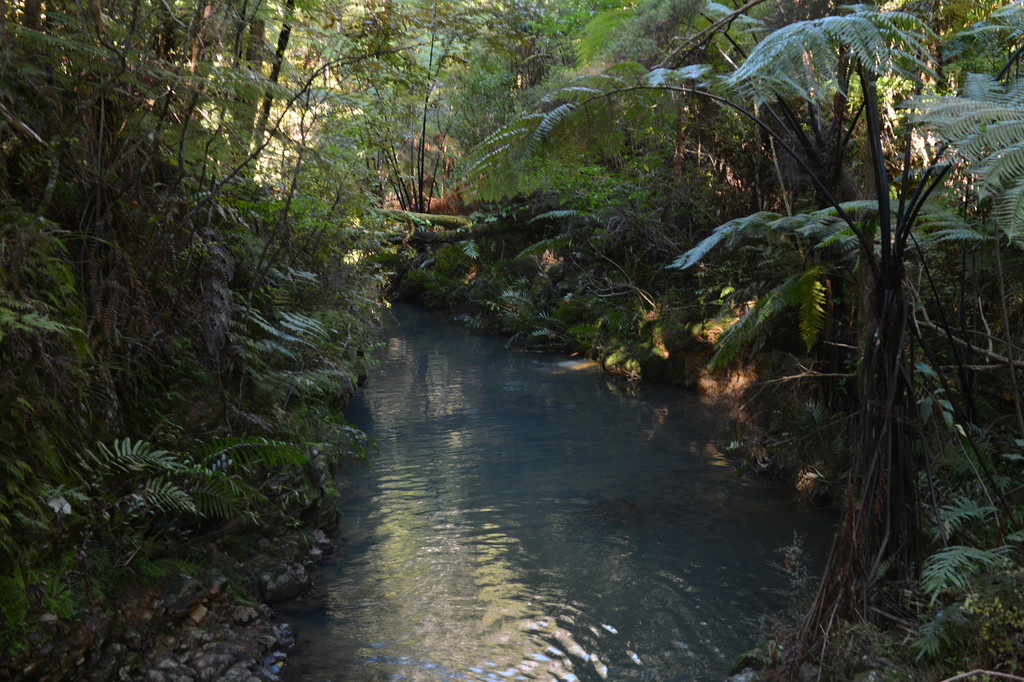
[(170, 670), (244, 614), (878, 669), (285, 636), (748, 675), (291, 583), (808, 672), (198, 613), (178, 603), (49, 622), (239, 672), (892, 674), (213, 659), (274, 662), (109, 662)]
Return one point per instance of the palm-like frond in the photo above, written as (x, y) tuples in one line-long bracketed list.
[(985, 124), (825, 226), (802, 59)]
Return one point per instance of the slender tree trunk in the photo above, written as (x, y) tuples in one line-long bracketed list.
[(275, 70), (33, 15)]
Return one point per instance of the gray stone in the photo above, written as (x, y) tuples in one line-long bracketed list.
[(244, 614), (213, 659), (808, 672), (170, 670), (182, 600), (106, 668), (290, 583)]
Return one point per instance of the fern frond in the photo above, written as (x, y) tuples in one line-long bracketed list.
[(802, 290), (962, 510), (166, 498), (985, 124), (952, 567), (599, 30), (822, 224), (553, 244), (247, 453), (218, 495), (126, 456), (471, 249), (812, 308), (559, 214), (801, 59), (725, 232)]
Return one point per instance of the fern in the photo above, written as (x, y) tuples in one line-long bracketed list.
[(553, 244), (952, 567), (962, 510), (801, 59), (985, 124), (127, 457), (802, 290), (248, 453), (599, 30), (939, 633), (166, 498)]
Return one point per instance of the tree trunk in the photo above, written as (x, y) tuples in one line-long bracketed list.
[(33, 15), (275, 69)]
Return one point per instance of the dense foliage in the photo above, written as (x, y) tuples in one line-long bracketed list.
[(200, 202)]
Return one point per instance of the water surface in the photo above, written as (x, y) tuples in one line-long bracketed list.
[(528, 517)]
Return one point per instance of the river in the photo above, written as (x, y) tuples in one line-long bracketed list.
[(529, 517)]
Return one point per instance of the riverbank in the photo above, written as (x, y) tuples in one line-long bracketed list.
[(210, 616)]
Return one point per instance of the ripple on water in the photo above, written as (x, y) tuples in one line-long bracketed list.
[(525, 519)]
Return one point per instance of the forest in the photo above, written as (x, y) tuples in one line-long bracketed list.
[(815, 208)]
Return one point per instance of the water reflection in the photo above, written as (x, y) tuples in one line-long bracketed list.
[(523, 521)]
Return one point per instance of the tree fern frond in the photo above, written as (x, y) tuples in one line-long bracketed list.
[(802, 289), (819, 225), (599, 30), (812, 308), (726, 231), (559, 214), (985, 126), (801, 58)]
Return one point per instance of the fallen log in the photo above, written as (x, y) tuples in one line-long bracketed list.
[(459, 228), (451, 222)]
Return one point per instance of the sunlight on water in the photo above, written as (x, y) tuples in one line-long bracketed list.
[(526, 519)]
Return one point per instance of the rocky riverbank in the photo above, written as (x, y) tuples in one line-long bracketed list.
[(215, 622)]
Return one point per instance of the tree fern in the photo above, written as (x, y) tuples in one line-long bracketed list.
[(599, 30), (985, 124), (801, 59)]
